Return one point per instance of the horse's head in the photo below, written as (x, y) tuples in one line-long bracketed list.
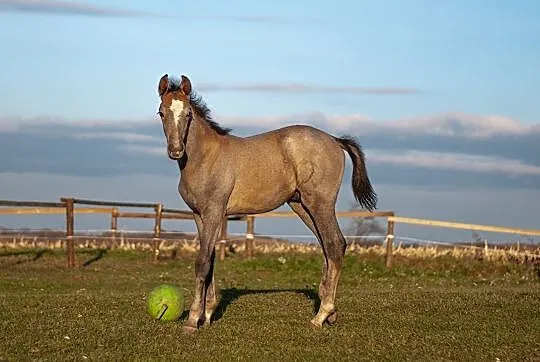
[(175, 112)]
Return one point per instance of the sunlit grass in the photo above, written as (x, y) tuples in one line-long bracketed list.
[(439, 308)]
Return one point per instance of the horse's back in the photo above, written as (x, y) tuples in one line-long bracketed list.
[(270, 167), (291, 145), (300, 150), (290, 131)]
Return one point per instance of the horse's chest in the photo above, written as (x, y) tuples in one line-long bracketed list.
[(189, 194), (200, 193)]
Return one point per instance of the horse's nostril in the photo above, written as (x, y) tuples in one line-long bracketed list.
[(174, 153)]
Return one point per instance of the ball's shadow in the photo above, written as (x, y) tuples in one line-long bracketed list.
[(184, 315)]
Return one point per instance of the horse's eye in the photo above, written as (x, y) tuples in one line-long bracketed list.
[(160, 114)]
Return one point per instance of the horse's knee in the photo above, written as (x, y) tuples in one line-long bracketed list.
[(202, 264)]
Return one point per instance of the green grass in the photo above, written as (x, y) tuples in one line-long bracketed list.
[(424, 309)]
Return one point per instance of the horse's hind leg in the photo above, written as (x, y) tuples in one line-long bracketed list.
[(304, 215), (334, 246)]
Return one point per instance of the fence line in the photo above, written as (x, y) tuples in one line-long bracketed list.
[(89, 236), (92, 233), (85, 233), (67, 206)]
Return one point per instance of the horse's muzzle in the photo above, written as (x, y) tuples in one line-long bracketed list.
[(175, 153)]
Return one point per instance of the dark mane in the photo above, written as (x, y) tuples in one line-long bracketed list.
[(200, 107), (202, 110)]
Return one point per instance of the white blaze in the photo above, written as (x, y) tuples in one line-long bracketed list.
[(176, 108)]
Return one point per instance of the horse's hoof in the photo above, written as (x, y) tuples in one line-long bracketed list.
[(189, 329), (332, 318), (207, 320), (315, 325)]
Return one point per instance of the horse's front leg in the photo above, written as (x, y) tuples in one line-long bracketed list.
[(204, 270), (211, 300)]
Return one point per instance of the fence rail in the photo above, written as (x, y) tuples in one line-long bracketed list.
[(52, 211), (111, 203), (338, 214), (68, 207), (458, 225), (31, 203), (149, 215), (33, 210)]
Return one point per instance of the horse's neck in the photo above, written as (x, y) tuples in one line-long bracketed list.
[(202, 141)]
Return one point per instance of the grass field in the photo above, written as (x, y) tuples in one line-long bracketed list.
[(424, 309)]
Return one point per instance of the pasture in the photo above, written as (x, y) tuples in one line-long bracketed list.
[(425, 308)]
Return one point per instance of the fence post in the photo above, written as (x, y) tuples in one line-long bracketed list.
[(114, 225), (250, 235), (389, 244), (70, 226), (223, 239), (157, 231)]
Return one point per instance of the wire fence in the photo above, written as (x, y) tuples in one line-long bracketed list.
[(177, 243), (170, 235)]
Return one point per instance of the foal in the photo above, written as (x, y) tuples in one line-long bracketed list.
[(222, 174)]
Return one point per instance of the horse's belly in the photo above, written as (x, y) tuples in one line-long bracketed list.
[(258, 198)]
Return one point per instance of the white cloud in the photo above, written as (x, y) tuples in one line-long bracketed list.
[(453, 161), (120, 136), (314, 118), (149, 150), (461, 125), (449, 124), (276, 121), (356, 121), (21, 124)]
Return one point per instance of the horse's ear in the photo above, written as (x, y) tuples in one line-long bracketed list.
[(185, 86), (163, 85)]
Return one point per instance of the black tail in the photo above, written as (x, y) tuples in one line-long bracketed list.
[(362, 189)]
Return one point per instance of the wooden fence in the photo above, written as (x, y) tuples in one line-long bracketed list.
[(68, 207)]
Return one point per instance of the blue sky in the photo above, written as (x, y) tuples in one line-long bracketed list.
[(475, 57), (443, 95)]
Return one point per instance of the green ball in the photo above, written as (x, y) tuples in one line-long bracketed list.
[(165, 303)]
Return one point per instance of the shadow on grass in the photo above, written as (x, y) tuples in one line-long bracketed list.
[(231, 294), (100, 254), (27, 256), (34, 255)]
